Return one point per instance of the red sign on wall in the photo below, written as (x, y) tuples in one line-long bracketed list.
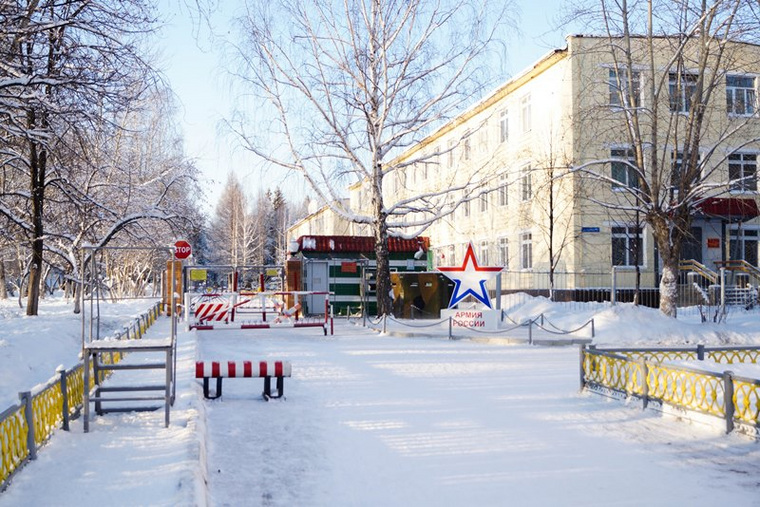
[(348, 267), (713, 242)]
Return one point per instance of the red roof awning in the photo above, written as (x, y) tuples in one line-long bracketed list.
[(730, 207), (359, 244)]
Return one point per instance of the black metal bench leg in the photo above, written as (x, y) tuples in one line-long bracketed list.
[(268, 387), (218, 392)]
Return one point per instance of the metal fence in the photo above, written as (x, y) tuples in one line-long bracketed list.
[(646, 374), (710, 297), (26, 426)]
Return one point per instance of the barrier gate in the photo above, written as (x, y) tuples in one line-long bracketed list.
[(253, 310)]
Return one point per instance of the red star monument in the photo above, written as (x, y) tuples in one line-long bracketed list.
[(470, 279)]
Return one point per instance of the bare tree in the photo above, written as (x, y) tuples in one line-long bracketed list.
[(667, 67), (63, 63), (345, 87)]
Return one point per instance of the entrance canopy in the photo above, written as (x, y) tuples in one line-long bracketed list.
[(730, 208)]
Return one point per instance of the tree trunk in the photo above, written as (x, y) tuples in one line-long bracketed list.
[(668, 242), (37, 173), (3, 289), (384, 299)]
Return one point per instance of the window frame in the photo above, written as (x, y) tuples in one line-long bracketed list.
[(623, 154), (503, 190), (503, 246), (504, 126), (749, 92), (681, 87), (625, 247), (745, 183), (526, 184), (618, 95), (526, 250)]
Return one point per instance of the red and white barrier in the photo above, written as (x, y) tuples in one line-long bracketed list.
[(232, 369), (217, 311), (243, 369)]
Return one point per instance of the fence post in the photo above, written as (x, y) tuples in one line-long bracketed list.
[(450, 335), (613, 290), (26, 400), (644, 384), (701, 352), (583, 372), (728, 399), (593, 331), (530, 332), (722, 288), (385, 326), (64, 396)]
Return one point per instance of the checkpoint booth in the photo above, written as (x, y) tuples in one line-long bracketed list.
[(345, 266)]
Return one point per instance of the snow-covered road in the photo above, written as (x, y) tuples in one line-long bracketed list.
[(379, 420)]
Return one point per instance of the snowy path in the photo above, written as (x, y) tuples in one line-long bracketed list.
[(374, 420)]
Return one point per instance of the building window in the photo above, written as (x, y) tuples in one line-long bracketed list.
[(526, 190), (504, 252), (526, 250), (742, 172), (681, 90), (525, 114), (504, 126), (483, 253), (625, 88), (466, 209), (627, 246), (467, 146), (623, 174), (503, 190), (450, 154), (483, 202), (743, 243), (740, 95)]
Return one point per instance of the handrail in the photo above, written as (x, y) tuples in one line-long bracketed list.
[(739, 265), (699, 268)]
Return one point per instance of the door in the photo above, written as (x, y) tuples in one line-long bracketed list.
[(316, 280)]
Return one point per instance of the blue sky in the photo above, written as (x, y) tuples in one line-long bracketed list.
[(193, 64)]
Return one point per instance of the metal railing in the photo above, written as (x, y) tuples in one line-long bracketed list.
[(646, 374), (26, 426)]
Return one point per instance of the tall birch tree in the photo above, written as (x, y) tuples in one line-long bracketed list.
[(345, 87)]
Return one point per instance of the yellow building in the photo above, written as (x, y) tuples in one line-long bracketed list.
[(536, 212)]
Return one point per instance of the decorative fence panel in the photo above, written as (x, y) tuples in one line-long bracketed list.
[(25, 427), (646, 374)]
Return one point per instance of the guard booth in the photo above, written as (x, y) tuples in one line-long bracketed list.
[(346, 266), (420, 295)]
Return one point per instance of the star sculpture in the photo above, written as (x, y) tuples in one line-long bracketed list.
[(470, 279)]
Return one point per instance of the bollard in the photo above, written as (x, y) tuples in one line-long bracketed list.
[(583, 371), (701, 352), (385, 320), (530, 332), (451, 336), (593, 331), (644, 384), (64, 397), (26, 400), (728, 399)]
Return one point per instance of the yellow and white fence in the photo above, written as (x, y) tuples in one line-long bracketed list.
[(26, 426), (656, 377)]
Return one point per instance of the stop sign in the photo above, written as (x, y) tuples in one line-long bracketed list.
[(182, 249)]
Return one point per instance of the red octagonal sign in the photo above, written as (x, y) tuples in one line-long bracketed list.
[(182, 249)]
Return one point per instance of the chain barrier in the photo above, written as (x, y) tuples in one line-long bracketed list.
[(26, 426)]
